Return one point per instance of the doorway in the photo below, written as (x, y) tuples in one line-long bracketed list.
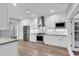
[(13, 30)]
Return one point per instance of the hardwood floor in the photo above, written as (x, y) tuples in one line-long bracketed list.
[(27, 48)]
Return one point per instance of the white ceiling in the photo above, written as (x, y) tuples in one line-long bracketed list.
[(75, 12), (39, 9)]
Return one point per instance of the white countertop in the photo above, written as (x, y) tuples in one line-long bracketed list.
[(4, 40), (51, 32)]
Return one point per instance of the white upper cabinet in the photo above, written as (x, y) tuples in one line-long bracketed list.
[(4, 22)]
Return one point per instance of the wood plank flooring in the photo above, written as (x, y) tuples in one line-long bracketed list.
[(26, 48)]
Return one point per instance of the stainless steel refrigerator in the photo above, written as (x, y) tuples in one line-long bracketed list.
[(26, 33)]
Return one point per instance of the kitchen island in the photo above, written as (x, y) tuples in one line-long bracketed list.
[(8, 47)]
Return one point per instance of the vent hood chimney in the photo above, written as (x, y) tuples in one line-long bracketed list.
[(41, 21)]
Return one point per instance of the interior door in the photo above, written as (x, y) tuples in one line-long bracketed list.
[(13, 30), (26, 33)]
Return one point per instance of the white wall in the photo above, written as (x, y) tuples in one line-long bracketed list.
[(4, 17), (4, 33), (34, 23)]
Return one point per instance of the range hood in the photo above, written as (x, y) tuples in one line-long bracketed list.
[(41, 24), (41, 21)]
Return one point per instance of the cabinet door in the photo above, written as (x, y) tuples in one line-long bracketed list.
[(32, 37), (55, 40), (62, 41), (51, 40), (4, 16)]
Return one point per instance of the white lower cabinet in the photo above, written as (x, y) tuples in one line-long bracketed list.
[(33, 37), (51, 40), (55, 40)]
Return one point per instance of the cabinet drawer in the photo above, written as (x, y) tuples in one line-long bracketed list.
[(55, 40), (33, 38)]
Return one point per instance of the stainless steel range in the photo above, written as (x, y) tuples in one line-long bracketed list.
[(40, 37)]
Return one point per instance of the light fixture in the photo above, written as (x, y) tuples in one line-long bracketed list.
[(27, 11), (51, 10), (14, 4), (20, 17)]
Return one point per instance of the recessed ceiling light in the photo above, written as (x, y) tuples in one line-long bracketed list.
[(52, 10), (14, 4), (27, 11)]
